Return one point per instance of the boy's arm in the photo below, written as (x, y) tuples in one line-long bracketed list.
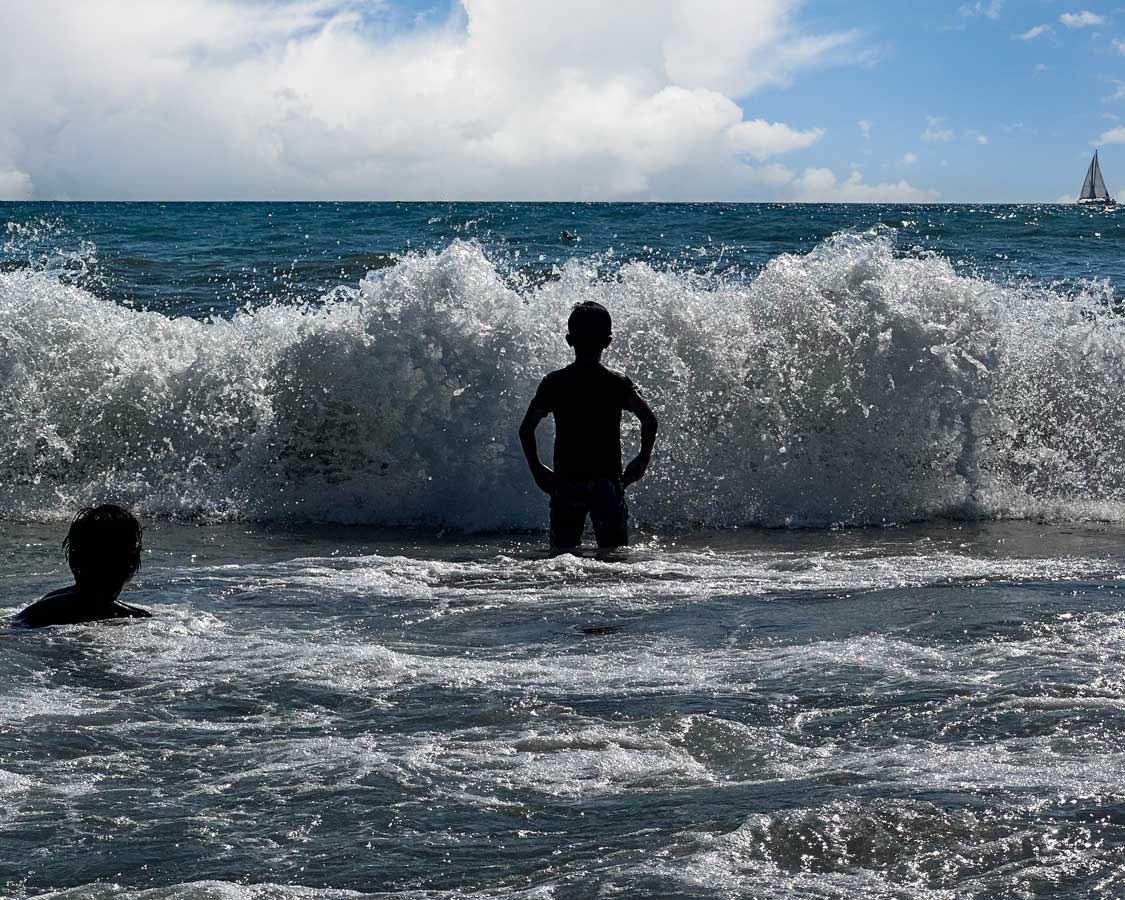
[(636, 404), (543, 476)]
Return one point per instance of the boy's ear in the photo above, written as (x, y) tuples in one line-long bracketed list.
[(570, 340)]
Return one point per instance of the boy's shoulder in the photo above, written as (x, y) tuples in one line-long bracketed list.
[(620, 377), (51, 609), (583, 371), (65, 607), (581, 382)]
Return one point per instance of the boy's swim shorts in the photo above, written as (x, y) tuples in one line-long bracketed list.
[(603, 499)]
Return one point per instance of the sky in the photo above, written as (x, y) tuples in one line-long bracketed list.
[(733, 100)]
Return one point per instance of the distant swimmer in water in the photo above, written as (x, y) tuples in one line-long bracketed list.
[(586, 400), (103, 548)]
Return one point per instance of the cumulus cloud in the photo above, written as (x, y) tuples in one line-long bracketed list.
[(1119, 46), (822, 186), (908, 158), (1113, 136), (759, 138), (1032, 33), (318, 99), (864, 128), (1083, 19)]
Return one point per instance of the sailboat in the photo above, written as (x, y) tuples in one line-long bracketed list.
[(1093, 188)]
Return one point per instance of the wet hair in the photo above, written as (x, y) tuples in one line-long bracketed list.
[(589, 326), (103, 545)]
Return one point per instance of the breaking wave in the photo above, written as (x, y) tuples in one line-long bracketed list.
[(850, 385)]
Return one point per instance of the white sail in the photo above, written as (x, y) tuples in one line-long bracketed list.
[(1100, 192)]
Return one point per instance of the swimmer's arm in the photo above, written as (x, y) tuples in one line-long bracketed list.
[(543, 476), (636, 404)]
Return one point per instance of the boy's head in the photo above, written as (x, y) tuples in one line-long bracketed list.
[(589, 328), (103, 546)]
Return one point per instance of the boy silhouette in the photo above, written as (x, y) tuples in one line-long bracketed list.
[(586, 400), (103, 548)]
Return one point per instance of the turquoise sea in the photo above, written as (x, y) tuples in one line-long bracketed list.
[(867, 643)]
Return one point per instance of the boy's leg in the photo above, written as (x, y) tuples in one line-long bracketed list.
[(609, 513), (568, 516)]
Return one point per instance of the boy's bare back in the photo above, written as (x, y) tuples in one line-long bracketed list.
[(587, 400)]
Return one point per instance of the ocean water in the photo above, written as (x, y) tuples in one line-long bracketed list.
[(867, 644)]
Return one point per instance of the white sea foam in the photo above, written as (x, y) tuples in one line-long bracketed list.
[(848, 385), (950, 720)]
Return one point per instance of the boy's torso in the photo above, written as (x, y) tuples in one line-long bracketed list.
[(586, 400)]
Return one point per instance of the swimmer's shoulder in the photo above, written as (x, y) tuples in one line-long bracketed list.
[(56, 608), (64, 607)]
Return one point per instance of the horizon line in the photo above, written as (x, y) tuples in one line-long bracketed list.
[(599, 202)]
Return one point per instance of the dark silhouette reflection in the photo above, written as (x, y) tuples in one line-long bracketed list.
[(103, 548), (586, 400)]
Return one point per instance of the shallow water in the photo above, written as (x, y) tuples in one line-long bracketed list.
[(934, 710), (329, 703)]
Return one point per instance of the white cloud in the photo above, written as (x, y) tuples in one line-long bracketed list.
[(1040, 68), (991, 9), (1113, 136), (1119, 46), (908, 158), (1033, 33), (865, 128), (760, 139), (982, 138), (935, 130), (1119, 93), (15, 185), (1083, 19), (310, 99), (774, 174), (822, 186)]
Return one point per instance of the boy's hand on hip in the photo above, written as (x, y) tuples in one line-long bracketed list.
[(544, 478), (634, 471)]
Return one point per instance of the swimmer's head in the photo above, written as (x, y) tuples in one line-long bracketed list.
[(589, 328), (103, 546)]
